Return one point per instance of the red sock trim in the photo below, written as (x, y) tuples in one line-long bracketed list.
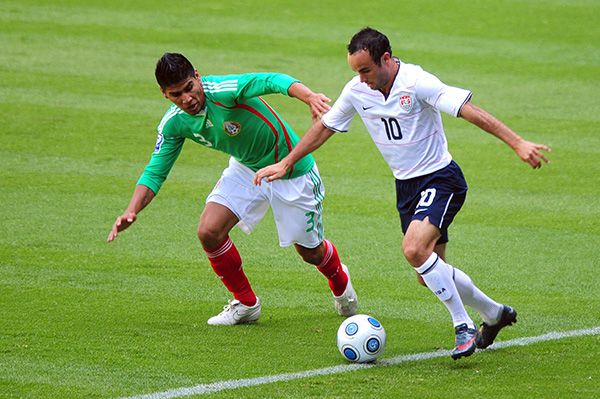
[(220, 249), (331, 267), (227, 264)]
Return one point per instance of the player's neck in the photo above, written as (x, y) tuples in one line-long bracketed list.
[(393, 72)]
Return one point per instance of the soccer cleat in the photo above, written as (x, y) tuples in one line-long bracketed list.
[(346, 303), (487, 333), (236, 313), (466, 341)]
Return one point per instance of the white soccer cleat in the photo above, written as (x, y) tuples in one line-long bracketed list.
[(236, 313), (346, 303)]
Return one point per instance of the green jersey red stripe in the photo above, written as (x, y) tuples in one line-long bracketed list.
[(264, 119), (285, 132)]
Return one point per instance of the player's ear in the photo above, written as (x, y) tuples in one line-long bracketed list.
[(164, 93)]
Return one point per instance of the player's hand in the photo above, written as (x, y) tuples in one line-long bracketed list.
[(318, 103), (532, 153), (122, 222), (271, 172)]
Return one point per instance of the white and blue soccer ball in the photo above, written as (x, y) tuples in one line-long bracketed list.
[(361, 338)]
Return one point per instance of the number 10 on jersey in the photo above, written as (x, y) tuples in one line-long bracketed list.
[(392, 128)]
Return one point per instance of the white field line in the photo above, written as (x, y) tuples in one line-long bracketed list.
[(269, 379)]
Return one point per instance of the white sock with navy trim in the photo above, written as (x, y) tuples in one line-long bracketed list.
[(489, 310), (437, 276)]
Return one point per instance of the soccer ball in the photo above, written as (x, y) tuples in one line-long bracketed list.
[(361, 338)]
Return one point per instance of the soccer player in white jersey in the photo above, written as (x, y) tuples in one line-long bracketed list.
[(227, 113), (400, 105)]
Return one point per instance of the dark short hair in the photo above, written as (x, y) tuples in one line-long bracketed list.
[(371, 40), (173, 68)]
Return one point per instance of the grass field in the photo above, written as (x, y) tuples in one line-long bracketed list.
[(80, 318)]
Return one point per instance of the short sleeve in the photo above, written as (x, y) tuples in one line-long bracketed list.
[(445, 98), (340, 115)]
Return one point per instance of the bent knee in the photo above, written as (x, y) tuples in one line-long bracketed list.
[(415, 253), (314, 256), (210, 237)]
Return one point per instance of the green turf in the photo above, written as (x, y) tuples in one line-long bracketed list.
[(80, 318)]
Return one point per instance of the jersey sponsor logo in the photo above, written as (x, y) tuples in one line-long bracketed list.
[(232, 128), (159, 140), (366, 108), (406, 103), (208, 124)]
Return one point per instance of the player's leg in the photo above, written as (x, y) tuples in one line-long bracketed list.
[(489, 310), (233, 201), (297, 208), (439, 249), (495, 316), (215, 224), (418, 244), (427, 205), (441, 199), (325, 257), (213, 231)]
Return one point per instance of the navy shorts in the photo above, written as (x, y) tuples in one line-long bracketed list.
[(438, 195)]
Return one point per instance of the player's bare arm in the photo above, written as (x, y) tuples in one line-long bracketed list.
[(317, 102), (529, 152), (142, 196), (313, 139)]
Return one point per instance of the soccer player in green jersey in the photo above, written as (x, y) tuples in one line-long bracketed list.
[(226, 113)]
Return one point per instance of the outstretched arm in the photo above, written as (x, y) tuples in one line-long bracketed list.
[(142, 196), (313, 139), (317, 102), (528, 152)]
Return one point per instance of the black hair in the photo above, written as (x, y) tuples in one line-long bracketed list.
[(173, 68), (371, 40)]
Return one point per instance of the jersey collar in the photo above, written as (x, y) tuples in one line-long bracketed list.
[(393, 80)]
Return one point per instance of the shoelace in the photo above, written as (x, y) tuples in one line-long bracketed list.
[(232, 303)]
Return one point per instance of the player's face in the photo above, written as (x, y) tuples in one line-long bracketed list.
[(377, 77), (187, 95)]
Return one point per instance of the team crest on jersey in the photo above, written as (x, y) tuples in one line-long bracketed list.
[(232, 128), (406, 103)]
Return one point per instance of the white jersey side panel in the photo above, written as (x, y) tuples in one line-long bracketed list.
[(407, 126)]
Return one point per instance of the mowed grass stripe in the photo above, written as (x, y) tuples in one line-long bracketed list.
[(250, 382)]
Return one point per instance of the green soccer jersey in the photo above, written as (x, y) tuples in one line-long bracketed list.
[(234, 120)]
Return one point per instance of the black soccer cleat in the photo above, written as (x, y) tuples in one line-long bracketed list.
[(466, 341), (487, 333)]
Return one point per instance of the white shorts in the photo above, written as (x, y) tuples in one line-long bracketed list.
[(296, 203)]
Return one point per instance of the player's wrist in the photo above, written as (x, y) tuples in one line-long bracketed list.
[(287, 163), (515, 142)]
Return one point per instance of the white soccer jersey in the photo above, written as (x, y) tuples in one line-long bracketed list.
[(406, 126)]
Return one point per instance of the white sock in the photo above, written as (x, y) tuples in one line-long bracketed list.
[(437, 276), (488, 309)]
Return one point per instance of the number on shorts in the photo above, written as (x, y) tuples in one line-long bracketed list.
[(427, 197)]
